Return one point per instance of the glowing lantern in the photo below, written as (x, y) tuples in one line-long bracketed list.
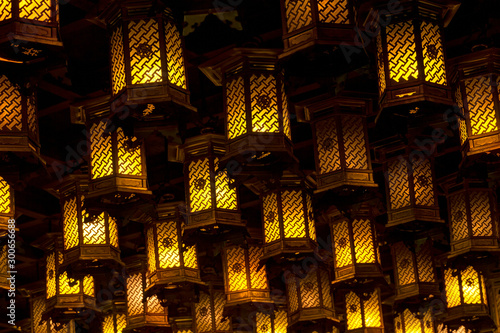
[(89, 242), (476, 85), (309, 22), (6, 206), (262, 322), (442, 328), (410, 52), (364, 312), (39, 325), (143, 312), (309, 299), (4, 267), (256, 109), (414, 270), (208, 312), (211, 197), (408, 322), (18, 111), (115, 316), (147, 56), (473, 221), (355, 247)]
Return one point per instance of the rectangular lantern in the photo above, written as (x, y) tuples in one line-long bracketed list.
[(211, 196), (409, 322), (143, 313), (410, 53), (472, 217), (442, 328), (39, 325), (147, 54), (414, 270), (208, 312), (19, 121), (256, 109), (476, 79), (6, 206), (316, 22), (364, 312), (114, 316)]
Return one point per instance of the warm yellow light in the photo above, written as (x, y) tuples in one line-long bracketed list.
[(109, 326), (35, 10), (464, 287), (208, 313), (358, 247), (408, 322), (299, 13), (135, 295), (5, 197), (363, 313)]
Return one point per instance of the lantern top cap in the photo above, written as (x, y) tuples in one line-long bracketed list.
[(478, 62), (232, 59), (49, 242), (204, 144), (135, 8), (350, 103), (136, 262), (170, 210), (455, 182)]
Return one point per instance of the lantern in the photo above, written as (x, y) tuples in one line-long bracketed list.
[(288, 217), (275, 321), (410, 52), (211, 195), (19, 126), (442, 328), (364, 312), (309, 299), (341, 142), (143, 312), (147, 56), (323, 22), (4, 267), (476, 83), (414, 270), (182, 325), (245, 280), (473, 221), (410, 188), (6, 206), (208, 312), (407, 322), (89, 242), (355, 247), (39, 325), (115, 316), (256, 109)]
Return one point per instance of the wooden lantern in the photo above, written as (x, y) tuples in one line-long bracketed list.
[(476, 79), (442, 328), (408, 321), (39, 325), (4, 267), (364, 312), (208, 312), (6, 206), (262, 322), (114, 316)]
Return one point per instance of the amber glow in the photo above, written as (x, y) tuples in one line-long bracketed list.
[(208, 313), (363, 313), (299, 13), (408, 322), (5, 198), (464, 287), (242, 269), (136, 283), (359, 248), (114, 323)]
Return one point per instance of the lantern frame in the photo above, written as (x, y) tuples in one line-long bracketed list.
[(364, 297), (4, 264), (211, 303), (426, 321), (114, 314), (37, 308), (7, 206), (261, 320)]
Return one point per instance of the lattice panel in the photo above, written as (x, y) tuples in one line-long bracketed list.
[(5, 10), (150, 246), (144, 44), (411, 323), (200, 192), (280, 321), (482, 223), (225, 195), (135, 294), (51, 275), (190, 260), (67, 288), (219, 303), (458, 212), (31, 112), (175, 56), (333, 11), (481, 107), (168, 245), (342, 247), (5, 197), (39, 326), (121, 322), (236, 115), (432, 49), (58, 328), (38, 10), (298, 14), (425, 266), (398, 325), (428, 322), (462, 125), (154, 306), (236, 268), (452, 288), (10, 112), (258, 278), (327, 145), (108, 325), (292, 296), (399, 189), (401, 52), (3, 260), (286, 113), (372, 311), (470, 286), (354, 143), (117, 60), (423, 183), (353, 311), (263, 323), (293, 214), (309, 290), (203, 314), (404, 264), (264, 104), (94, 232), (271, 218), (101, 154), (380, 66), (70, 223), (310, 218), (113, 232), (129, 159), (363, 241), (325, 289)]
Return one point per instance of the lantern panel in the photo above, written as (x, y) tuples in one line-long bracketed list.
[(380, 66), (134, 294), (236, 273), (425, 267), (298, 14), (200, 187), (343, 255), (5, 197), (363, 313), (150, 244), (117, 61), (209, 313), (235, 101), (145, 61), (271, 218), (354, 143), (129, 159), (482, 224), (401, 52), (38, 308), (423, 188), (333, 11), (108, 325), (310, 221), (372, 311), (353, 309), (175, 59), (70, 223), (263, 323), (51, 275), (452, 288), (327, 143), (462, 125), (432, 48), (168, 245), (10, 112), (482, 112), (35, 10), (458, 210), (398, 184), (292, 296), (101, 154), (4, 283), (264, 106), (285, 113), (5, 10), (404, 263), (466, 288), (225, 196), (94, 232), (293, 214), (363, 241), (309, 291), (408, 322), (471, 286), (258, 278)]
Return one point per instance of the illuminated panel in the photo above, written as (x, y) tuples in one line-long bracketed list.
[(363, 241), (5, 197), (225, 196), (38, 307), (88, 285), (401, 52), (199, 185), (293, 214), (129, 159), (380, 66), (309, 290), (462, 128), (109, 323), (117, 61), (51, 275), (113, 232), (470, 286), (5, 10), (458, 212), (328, 148), (168, 245), (452, 288), (286, 115), (271, 218), (135, 294), (101, 154), (263, 103), (144, 44), (432, 48), (422, 183), (236, 115), (398, 184), (292, 296), (404, 264), (70, 223), (372, 311), (482, 224), (263, 323), (407, 322), (258, 279), (363, 313), (481, 107), (10, 111), (354, 143), (298, 14), (310, 218), (343, 255), (175, 58), (150, 245), (425, 267), (353, 310), (94, 232), (333, 11), (209, 313), (38, 10), (236, 269)]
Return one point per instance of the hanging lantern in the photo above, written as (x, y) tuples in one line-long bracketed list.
[(414, 270), (256, 109), (364, 312), (39, 325), (476, 85), (19, 126), (143, 312), (6, 206), (115, 316), (211, 196), (4, 267), (89, 242), (147, 54), (309, 299), (409, 322), (442, 328), (208, 312), (410, 53), (473, 221), (323, 22), (355, 247), (182, 325), (262, 322), (410, 188), (288, 217)]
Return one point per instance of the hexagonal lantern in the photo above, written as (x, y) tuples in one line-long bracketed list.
[(147, 54), (211, 197), (6, 206), (407, 321), (364, 312), (262, 322), (38, 324), (415, 272), (256, 109), (410, 53), (114, 316), (476, 79), (208, 312), (442, 328), (310, 22)]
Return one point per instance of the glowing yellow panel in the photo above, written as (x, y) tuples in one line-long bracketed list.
[(68, 286), (372, 311), (291, 289), (298, 14), (482, 112), (363, 241), (398, 184), (470, 286), (150, 246), (263, 323), (404, 264), (343, 255), (333, 11), (412, 323), (263, 103), (51, 275), (88, 285), (144, 44), (452, 288), (38, 10), (190, 260), (328, 146), (293, 214), (258, 278), (280, 321), (236, 269), (286, 114), (309, 290), (94, 232), (458, 212), (401, 52), (101, 154), (135, 294), (70, 223), (113, 232), (129, 159), (428, 322), (5, 200), (10, 110), (432, 48), (175, 58), (117, 60), (168, 245), (108, 326), (236, 115), (39, 326), (5, 10), (355, 152), (353, 311), (225, 195), (200, 188), (271, 218), (3, 261)]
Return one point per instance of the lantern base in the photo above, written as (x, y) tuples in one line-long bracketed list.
[(117, 190), (344, 178), (176, 295), (22, 147), (214, 219), (478, 247), (168, 278), (414, 92), (367, 330), (147, 323), (94, 260), (358, 272), (483, 143), (63, 308), (470, 315), (248, 297), (288, 248), (413, 218), (416, 293)]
